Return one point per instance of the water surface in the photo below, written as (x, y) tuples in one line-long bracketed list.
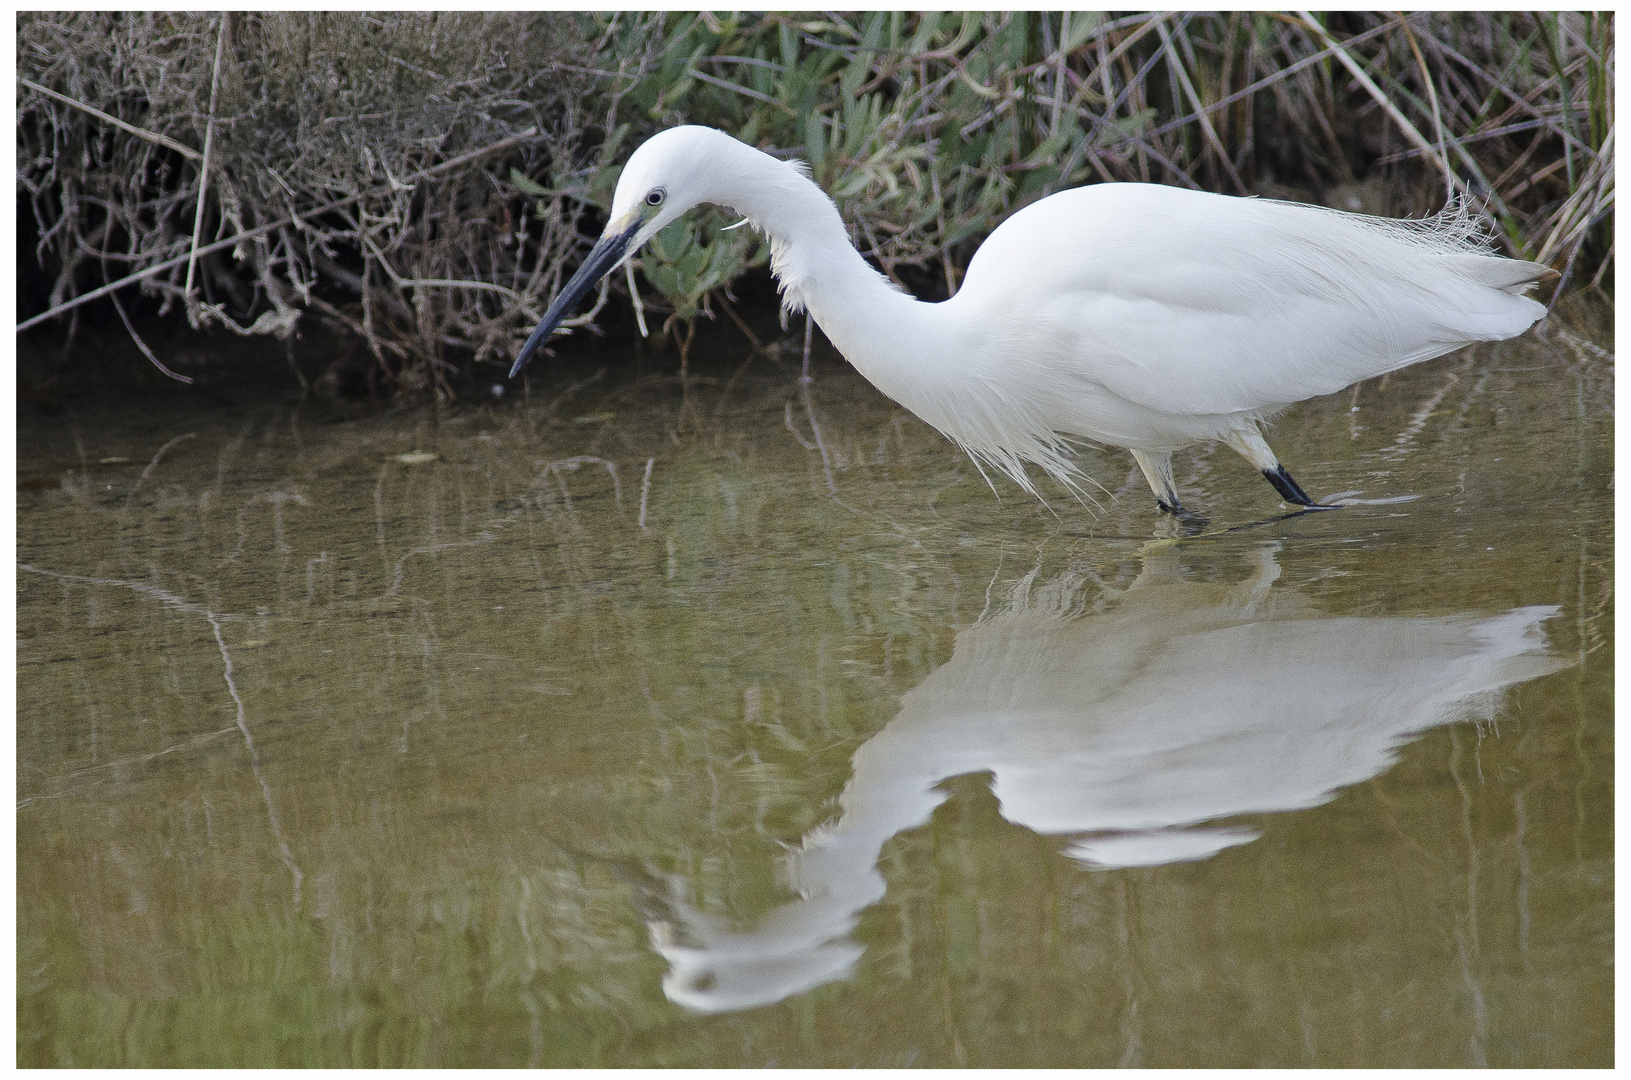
[(735, 722)]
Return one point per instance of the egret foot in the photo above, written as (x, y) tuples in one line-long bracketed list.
[(1190, 521), (1290, 490)]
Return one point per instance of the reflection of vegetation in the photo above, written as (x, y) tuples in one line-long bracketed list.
[(541, 967), (486, 805), (424, 179)]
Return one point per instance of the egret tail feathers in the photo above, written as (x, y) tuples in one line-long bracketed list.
[(1513, 276)]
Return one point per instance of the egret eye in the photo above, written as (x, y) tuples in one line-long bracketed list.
[(655, 197)]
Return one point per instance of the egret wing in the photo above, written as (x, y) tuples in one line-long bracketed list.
[(1187, 303)]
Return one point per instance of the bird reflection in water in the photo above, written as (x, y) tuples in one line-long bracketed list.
[(1132, 730)]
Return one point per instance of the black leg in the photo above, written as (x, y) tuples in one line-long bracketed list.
[(1289, 489)]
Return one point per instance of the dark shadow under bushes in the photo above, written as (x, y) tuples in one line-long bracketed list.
[(329, 140)]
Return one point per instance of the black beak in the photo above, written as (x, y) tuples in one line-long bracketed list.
[(606, 253)]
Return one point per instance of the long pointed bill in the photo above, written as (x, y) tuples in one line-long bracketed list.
[(606, 254)]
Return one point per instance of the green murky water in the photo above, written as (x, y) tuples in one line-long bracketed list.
[(738, 725)]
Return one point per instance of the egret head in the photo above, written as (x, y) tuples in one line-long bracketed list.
[(669, 173)]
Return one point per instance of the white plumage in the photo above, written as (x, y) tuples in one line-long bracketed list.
[(1130, 315)]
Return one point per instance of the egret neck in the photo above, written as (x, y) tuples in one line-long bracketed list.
[(887, 334), (932, 358)]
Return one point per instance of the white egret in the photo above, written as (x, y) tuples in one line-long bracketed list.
[(1131, 315)]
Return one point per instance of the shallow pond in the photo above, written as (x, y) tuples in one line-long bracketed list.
[(739, 723)]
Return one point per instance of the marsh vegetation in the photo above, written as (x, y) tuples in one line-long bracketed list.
[(421, 182)]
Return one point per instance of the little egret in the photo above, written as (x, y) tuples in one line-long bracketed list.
[(1133, 315)]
